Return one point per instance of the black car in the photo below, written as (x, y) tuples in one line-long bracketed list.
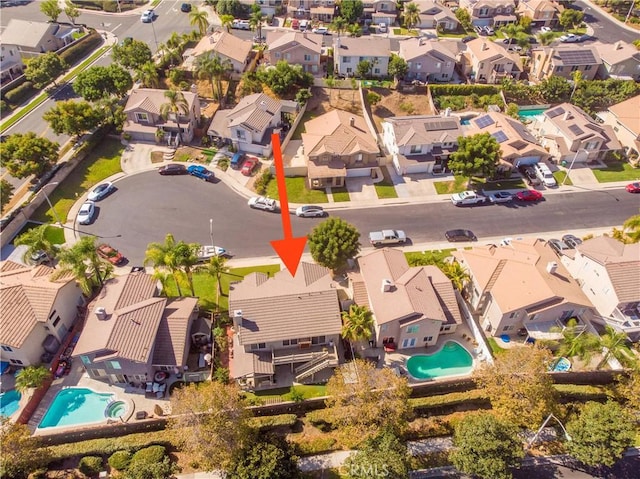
[(172, 169), (185, 7), (510, 41), (529, 174), (571, 240), (468, 39), (460, 235)]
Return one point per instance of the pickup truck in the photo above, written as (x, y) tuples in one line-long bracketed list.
[(378, 238), (468, 198)]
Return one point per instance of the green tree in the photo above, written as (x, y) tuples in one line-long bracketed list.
[(513, 110), (398, 66), (601, 434), (271, 457), (339, 24), (216, 267), (570, 18), (36, 240), (518, 386), (354, 30), (175, 106), (164, 256), (363, 68), (82, 261), (384, 455), (24, 154), (31, 377), (631, 228), (357, 323), (148, 75), (71, 11), (303, 96), (209, 422), (554, 89), (187, 257), (411, 15), (112, 112), (51, 9), (464, 18), (546, 38), (351, 11), (458, 275), (334, 241), (285, 78), (486, 446), (199, 19), (628, 390), (44, 69), (132, 54), (331, 83), (226, 21), (6, 193), (214, 69), (72, 117), (575, 341), (99, 82), (373, 98), (256, 19), (477, 155), (22, 453), (229, 7), (616, 344)]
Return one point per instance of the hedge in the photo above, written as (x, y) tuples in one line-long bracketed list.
[(576, 392), (119, 460), (19, 81), (19, 95), (315, 445), (149, 455), (463, 90), (269, 422), (90, 465), (450, 399), (81, 49)]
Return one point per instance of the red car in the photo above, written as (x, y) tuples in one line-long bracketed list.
[(111, 254), (633, 187), (529, 195), (248, 166)]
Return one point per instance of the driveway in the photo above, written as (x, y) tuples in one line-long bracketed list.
[(137, 156)]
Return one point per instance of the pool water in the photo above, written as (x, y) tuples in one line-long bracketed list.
[(115, 409), (534, 114), (562, 365), (451, 360), (9, 402), (75, 406)]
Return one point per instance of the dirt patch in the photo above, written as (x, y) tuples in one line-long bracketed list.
[(157, 157), (395, 103), (188, 153), (325, 99)]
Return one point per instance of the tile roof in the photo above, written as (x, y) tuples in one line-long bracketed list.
[(151, 100), (277, 39), (254, 112), (362, 47), (628, 113), (286, 307), (574, 55), (483, 50), (171, 339), (332, 133), (425, 129), (618, 53), (27, 296), (224, 44), (575, 124), (412, 48), (416, 292), (26, 33)]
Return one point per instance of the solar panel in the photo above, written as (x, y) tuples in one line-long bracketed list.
[(555, 112), (517, 145), (577, 56), (575, 129), (440, 125), (484, 121), (499, 136)]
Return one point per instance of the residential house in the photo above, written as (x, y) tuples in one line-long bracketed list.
[(284, 326), (36, 312), (251, 123), (32, 38), (609, 273), (228, 47), (622, 61), (489, 62), (297, 48), (348, 52), (337, 145), (523, 289), (321, 10), (434, 15), (421, 143), (624, 118), (144, 117), (570, 135), (494, 13), (428, 60), (564, 61), (543, 13), (380, 11), (267, 7), (517, 145), (11, 65), (411, 306), (131, 332)]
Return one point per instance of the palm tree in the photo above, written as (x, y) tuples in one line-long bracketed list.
[(546, 38), (227, 21), (213, 68), (339, 24), (175, 105), (577, 342), (163, 255), (215, 267), (355, 30), (331, 83), (631, 228), (187, 255), (31, 377), (357, 323), (255, 21), (199, 19), (616, 344), (83, 262), (162, 277), (411, 15), (170, 54), (148, 75), (456, 273), (36, 240)]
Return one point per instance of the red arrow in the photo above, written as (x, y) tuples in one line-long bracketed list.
[(289, 249)]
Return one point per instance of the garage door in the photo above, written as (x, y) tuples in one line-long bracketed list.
[(527, 160), (358, 172)]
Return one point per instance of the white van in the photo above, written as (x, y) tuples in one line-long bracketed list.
[(241, 24), (304, 24), (544, 173)]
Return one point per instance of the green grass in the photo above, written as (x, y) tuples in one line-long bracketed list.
[(54, 234), (495, 349), (340, 194), (404, 31), (504, 185), (206, 287), (385, 188), (620, 171), (436, 254), (85, 63), (101, 163), (457, 35), (308, 392), (448, 187), (560, 177), (297, 192), (308, 115)]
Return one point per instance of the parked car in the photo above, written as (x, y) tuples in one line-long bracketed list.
[(479, 30), (529, 174), (39, 257), (460, 235), (101, 191), (510, 41), (488, 30), (382, 28), (468, 198), (185, 7), (529, 195), (501, 197), (207, 252), (310, 211), (200, 171), (86, 213), (263, 203), (569, 38), (173, 169), (249, 165), (236, 160), (514, 48), (258, 39), (584, 37), (468, 39), (380, 238), (571, 240), (558, 246), (147, 16), (321, 31), (110, 254), (295, 23), (633, 187), (545, 29)]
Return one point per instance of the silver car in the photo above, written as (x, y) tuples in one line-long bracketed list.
[(263, 203), (310, 211), (86, 213)]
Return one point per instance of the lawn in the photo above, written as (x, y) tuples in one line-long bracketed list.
[(385, 188), (404, 31), (617, 172), (560, 177), (101, 163), (504, 185), (340, 194), (495, 349), (297, 191), (308, 115), (437, 255), (206, 287), (308, 392), (448, 187), (54, 234)]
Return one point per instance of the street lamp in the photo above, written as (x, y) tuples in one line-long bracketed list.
[(154, 35), (571, 165), (211, 231), (544, 424), (55, 213)]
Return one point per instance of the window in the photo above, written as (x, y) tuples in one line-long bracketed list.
[(6, 348), (349, 70), (513, 315), (359, 158), (286, 342), (114, 364), (383, 328), (592, 145), (558, 69), (240, 134), (416, 148), (427, 339), (376, 71), (56, 321), (53, 313), (413, 329), (418, 66), (445, 328), (318, 340), (533, 317), (15, 361), (259, 346), (142, 117), (506, 328), (278, 55), (575, 68), (346, 59), (85, 359), (588, 67), (438, 65), (307, 58)]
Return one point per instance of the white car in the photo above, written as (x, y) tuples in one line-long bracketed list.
[(207, 252), (545, 29), (310, 211), (321, 30), (263, 203), (86, 212), (101, 191), (468, 198), (147, 16), (569, 38), (382, 27)]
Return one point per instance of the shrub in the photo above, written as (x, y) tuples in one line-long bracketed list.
[(264, 423), (373, 98), (320, 419), (303, 95), (119, 460), (450, 399), (20, 94), (4, 106), (315, 446), (221, 375), (296, 394), (90, 465), (453, 102), (176, 76), (263, 181), (86, 45), (149, 455), (462, 90)]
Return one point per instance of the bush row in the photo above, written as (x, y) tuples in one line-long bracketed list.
[(450, 399), (580, 393), (464, 90), (84, 46), (22, 93), (265, 423)]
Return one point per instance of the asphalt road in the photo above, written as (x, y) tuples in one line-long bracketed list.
[(605, 29), (147, 206)]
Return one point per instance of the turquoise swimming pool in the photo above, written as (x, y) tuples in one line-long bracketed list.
[(75, 406), (451, 360), (9, 402), (534, 114)]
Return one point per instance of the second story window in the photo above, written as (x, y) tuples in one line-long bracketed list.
[(307, 58), (142, 117)]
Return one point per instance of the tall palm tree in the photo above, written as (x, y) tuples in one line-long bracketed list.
[(162, 277), (213, 68), (148, 75), (631, 228), (176, 41), (616, 344), (357, 323), (170, 54), (255, 21), (199, 19), (339, 24), (215, 267), (457, 274), (36, 240), (175, 105), (187, 255), (83, 262), (163, 255), (31, 377), (411, 15), (226, 21), (577, 342)]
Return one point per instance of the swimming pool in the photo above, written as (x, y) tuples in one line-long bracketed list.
[(9, 402), (533, 114), (76, 406), (451, 360)]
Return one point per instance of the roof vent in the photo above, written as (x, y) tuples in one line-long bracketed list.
[(484, 46), (447, 112), (387, 285), (352, 121), (101, 313), (567, 115), (552, 266)]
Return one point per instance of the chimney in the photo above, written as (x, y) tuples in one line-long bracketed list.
[(352, 121), (387, 285), (447, 112), (237, 319), (552, 266), (567, 115), (484, 46), (618, 45), (263, 105), (101, 313)]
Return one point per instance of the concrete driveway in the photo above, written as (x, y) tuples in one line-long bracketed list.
[(137, 156)]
